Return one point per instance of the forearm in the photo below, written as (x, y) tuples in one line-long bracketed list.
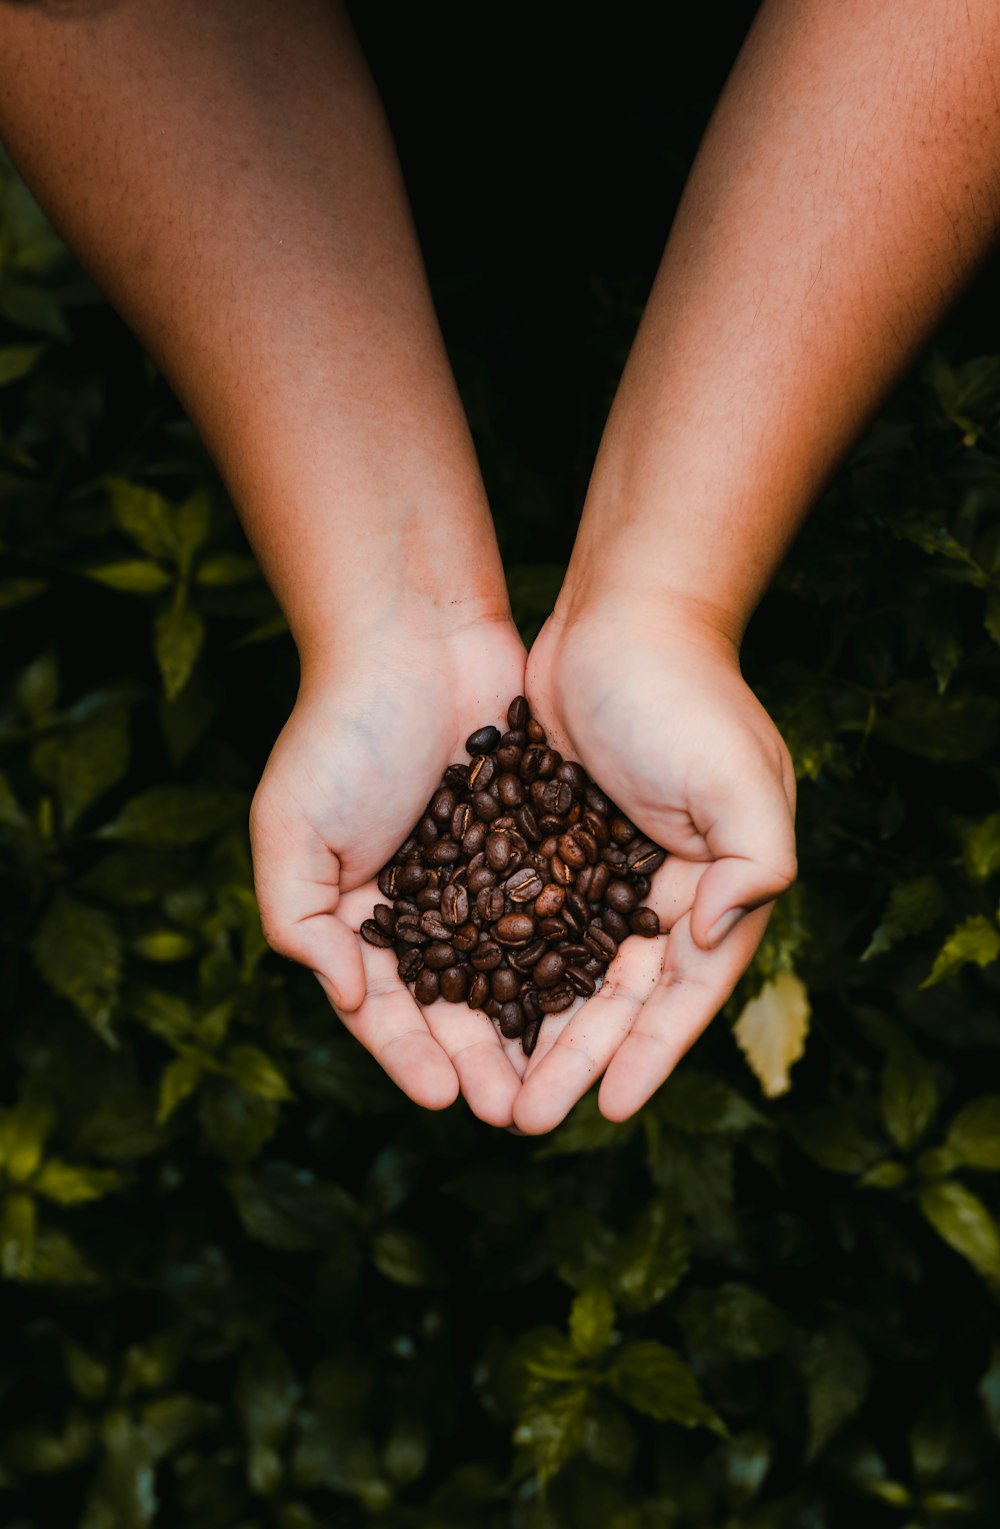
[(846, 188), (224, 169)]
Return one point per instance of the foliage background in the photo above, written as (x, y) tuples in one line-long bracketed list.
[(244, 1281)]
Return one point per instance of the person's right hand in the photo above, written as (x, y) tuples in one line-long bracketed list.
[(349, 776)]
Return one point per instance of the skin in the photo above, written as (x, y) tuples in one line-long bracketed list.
[(225, 171)]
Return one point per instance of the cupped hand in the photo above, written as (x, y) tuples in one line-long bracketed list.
[(349, 776), (659, 714)]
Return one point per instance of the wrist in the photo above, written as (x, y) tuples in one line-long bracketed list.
[(663, 612)]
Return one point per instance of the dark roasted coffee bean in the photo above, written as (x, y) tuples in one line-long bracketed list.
[(621, 897), (427, 988), (454, 776), (529, 1035), (480, 879), (580, 981), (388, 878), (505, 983), (556, 999), (576, 906), (427, 898), (492, 1007), (595, 824), (481, 772), (549, 846), (405, 909), (474, 838), (444, 852), (487, 807), (510, 790), (597, 801), (514, 929), (527, 824), (373, 935), (409, 932), (486, 957), (410, 964), (574, 954), (595, 968), (614, 857), (479, 990), (438, 956), (552, 929), (549, 900), (552, 825), (498, 848), (454, 983), (562, 874), (524, 886), (600, 879), (643, 921), (539, 863), (582, 880), (517, 713), (528, 768), (548, 764), (573, 774), (640, 886), (461, 820), (514, 737), (508, 757), (454, 904), (572, 851), (524, 960), (557, 797), (406, 850), (535, 730), (384, 917), (490, 903), (511, 1020), (549, 970), (443, 804), (587, 843), (428, 832), (411, 878), (615, 924), (434, 925), (646, 858), (529, 1002), (465, 937), (623, 830), (483, 741), (600, 943), (504, 824)]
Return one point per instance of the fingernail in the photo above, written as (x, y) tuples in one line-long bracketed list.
[(722, 926)]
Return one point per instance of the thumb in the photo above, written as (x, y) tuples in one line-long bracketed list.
[(753, 848)]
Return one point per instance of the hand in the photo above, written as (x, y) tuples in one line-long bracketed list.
[(348, 778), (662, 719)]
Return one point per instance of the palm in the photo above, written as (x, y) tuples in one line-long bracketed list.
[(346, 781), (669, 729)]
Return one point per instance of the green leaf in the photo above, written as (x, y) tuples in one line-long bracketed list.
[(58, 1261), (976, 939), (836, 1373), (771, 1031), (551, 1431), (648, 1263), (193, 522), (37, 686), (68, 1184), (16, 361), (78, 953), (912, 908), (236, 1124), (909, 1095), (87, 1375), (165, 945), (225, 568), (178, 634), (134, 577), (179, 1080), (946, 729), (255, 1072), (965, 1224), (290, 1209), (39, 1451), (973, 1138), (267, 1398), (833, 1137), (169, 817), (592, 1322), (406, 1450), (585, 1129), (981, 848), (733, 1321), (82, 762), (15, 592), (655, 1380), (24, 1129), (694, 1102), (402, 1257), (145, 517), (17, 1236)]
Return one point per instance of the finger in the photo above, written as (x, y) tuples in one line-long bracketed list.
[(297, 881), (694, 986), (487, 1075), (578, 1053), (753, 841), (389, 1023)]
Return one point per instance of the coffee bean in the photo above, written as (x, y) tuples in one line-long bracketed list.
[(528, 768), (428, 898), (573, 774), (492, 1007), (581, 982), (384, 917), (511, 1020), (549, 970), (510, 790), (524, 885), (514, 737), (428, 832), (480, 879), (514, 929), (646, 858), (524, 960), (454, 904), (486, 957), (517, 713), (615, 924), (621, 897), (411, 878), (490, 903), (387, 879), (483, 741), (481, 773), (498, 848), (644, 921), (373, 935), (549, 900), (613, 857), (438, 955), (527, 824), (410, 964), (461, 821), (600, 880), (577, 908), (600, 943), (556, 999), (454, 983), (505, 984), (434, 925), (444, 852), (465, 937), (549, 763), (552, 929), (641, 886), (455, 776), (572, 851), (535, 730), (575, 954), (427, 989), (405, 909), (409, 932), (597, 825), (623, 831), (443, 804), (474, 838), (487, 807), (479, 990), (597, 801), (557, 797), (508, 757)]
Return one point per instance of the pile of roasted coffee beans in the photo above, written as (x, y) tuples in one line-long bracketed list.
[(517, 886)]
